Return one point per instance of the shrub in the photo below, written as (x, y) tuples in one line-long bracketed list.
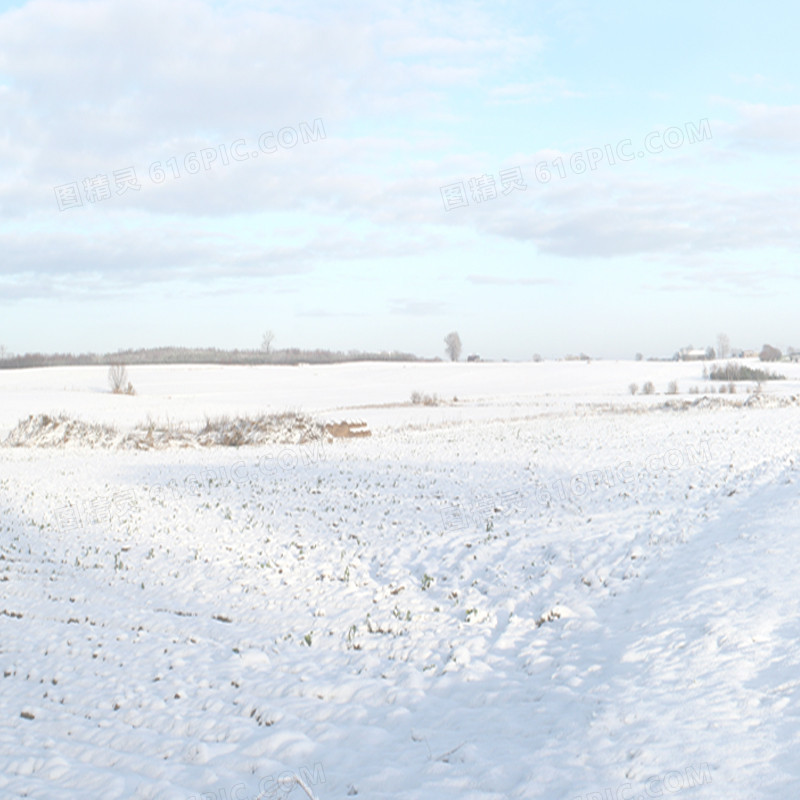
[(694, 390), (741, 372), (673, 387), (417, 398), (649, 388), (633, 388), (118, 380), (731, 388)]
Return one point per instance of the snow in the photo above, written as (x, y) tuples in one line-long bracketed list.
[(546, 588)]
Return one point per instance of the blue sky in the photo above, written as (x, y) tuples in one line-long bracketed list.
[(336, 233)]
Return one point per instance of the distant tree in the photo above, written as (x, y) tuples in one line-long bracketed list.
[(770, 353), (3, 352), (723, 345), (649, 388), (537, 358), (266, 341), (710, 353), (639, 356), (453, 346), (633, 388)]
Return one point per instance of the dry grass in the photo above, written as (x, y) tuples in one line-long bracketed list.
[(44, 430), (288, 427), (59, 431)]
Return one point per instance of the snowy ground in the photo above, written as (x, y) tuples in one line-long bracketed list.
[(546, 588)]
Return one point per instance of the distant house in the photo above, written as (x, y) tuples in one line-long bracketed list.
[(473, 357), (747, 354), (692, 354)]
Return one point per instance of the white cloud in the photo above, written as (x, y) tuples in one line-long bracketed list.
[(542, 91), (766, 128), (493, 280), (418, 308)]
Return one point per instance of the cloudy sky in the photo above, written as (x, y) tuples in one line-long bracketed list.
[(543, 177)]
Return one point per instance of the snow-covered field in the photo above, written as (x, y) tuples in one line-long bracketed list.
[(545, 588)]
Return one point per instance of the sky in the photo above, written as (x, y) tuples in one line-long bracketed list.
[(541, 177)]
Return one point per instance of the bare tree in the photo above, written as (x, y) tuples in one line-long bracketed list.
[(453, 346), (266, 342), (3, 352), (723, 345)]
